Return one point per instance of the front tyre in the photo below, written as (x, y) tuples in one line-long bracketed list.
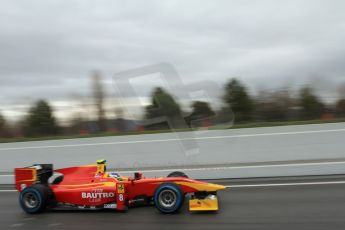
[(168, 198), (34, 199)]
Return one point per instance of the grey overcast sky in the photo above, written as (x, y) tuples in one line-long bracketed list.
[(49, 48)]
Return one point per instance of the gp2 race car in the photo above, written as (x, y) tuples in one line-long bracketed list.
[(91, 187)]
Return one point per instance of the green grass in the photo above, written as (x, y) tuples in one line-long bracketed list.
[(219, 127), (285, 123)]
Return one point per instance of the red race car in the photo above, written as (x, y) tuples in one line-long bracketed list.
[(91, 187)]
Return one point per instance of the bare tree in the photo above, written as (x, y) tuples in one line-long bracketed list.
[(98, 95), (2, 126), (341, 91), (340, 104), (119, 113), (274, 105)]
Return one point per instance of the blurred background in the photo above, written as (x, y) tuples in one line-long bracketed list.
[(276, 63)]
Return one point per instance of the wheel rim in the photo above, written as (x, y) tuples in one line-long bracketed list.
[(167, 198), (30, 200)]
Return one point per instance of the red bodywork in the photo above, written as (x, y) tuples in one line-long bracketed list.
[(84, 186)]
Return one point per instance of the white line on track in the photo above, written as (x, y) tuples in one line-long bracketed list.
[(285, 184), (174, 139), (265, 185)]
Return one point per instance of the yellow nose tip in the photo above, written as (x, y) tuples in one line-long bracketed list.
[(217, 186)]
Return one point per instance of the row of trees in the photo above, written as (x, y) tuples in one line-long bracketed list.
[(164, 110), (277, 106), (267, 106)]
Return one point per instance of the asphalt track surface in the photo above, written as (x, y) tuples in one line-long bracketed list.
[(282, 203)]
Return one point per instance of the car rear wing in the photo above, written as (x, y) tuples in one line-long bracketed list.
[(38, 173)]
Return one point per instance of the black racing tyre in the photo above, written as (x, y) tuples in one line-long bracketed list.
[(168, 198), (35, 198), (177, 174)]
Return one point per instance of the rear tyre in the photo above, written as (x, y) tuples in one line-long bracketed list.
[(35, 198), (177, 174), (168, 198)]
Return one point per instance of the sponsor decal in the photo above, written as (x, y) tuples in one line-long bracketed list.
[(111, 206), (94, 195), (97, 195), (120, 188)]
